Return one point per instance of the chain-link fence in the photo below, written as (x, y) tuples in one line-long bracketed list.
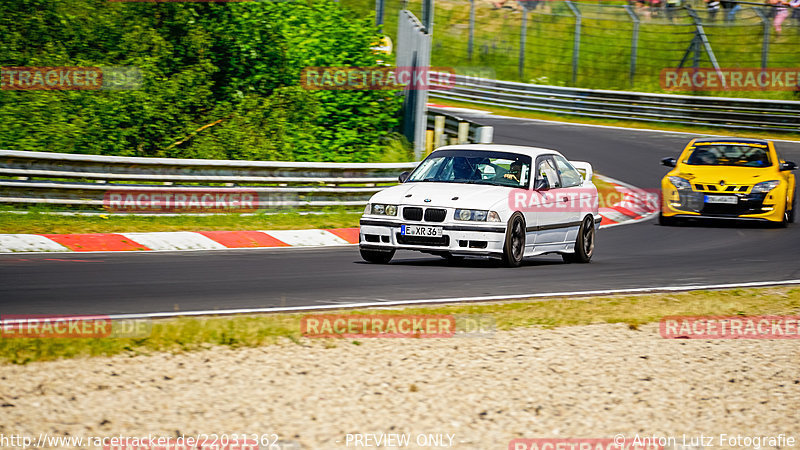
[(603, 45)]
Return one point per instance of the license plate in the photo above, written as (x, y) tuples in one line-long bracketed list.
[(728, 199), (421, 230)]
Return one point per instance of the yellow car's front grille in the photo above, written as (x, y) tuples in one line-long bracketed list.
[(730, 188)]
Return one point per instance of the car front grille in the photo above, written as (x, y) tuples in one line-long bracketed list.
[(412, 213), (435, 215)]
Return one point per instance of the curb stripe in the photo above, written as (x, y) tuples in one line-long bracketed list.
[(243, 239), (99, 242), (350, 235), (175, 240)]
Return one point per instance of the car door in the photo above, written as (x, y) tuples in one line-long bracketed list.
[(570, 193), (552, 212)]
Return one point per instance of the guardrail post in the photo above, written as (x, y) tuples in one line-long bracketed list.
[(471, 39), (634, 40), (522, 35), (484, 135), (576, 46), (765, 42), (438, 131), (428, 142), (463, 132)]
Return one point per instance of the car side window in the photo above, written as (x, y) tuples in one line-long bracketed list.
[(546, 170), (569, 175)]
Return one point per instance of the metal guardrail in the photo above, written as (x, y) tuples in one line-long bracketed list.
[(737, 113), (85, 180)]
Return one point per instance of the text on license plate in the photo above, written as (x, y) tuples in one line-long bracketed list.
[(730, 199), (420, 230)]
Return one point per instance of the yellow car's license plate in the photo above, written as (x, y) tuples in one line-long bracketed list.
[(727, 199)]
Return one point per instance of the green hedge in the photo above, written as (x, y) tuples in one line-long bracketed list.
[(229, 70)]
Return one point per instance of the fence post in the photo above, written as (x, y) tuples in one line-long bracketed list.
[(700, 38), (471, 40), (380, 6), (765, 43), (634, 40), (576, 46), (523, 34)]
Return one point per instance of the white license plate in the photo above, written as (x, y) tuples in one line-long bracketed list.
[(421, 230), (728, 199)]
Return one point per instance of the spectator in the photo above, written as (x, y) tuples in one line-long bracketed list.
[(672, 7), (781, 13), (730, 8), (713, 9), (795, 4)]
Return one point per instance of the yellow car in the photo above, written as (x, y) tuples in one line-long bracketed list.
[(728, 178)]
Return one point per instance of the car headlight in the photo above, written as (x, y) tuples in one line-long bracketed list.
[(475, 215), (680, 183), (381, 209), (765, 186)]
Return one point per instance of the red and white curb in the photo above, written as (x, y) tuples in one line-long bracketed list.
[(634, 205), (175, 240)]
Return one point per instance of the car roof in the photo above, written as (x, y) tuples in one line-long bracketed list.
[(521, 149), (732, 140)]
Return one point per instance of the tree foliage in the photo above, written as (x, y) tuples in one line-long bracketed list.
[(220, 80)]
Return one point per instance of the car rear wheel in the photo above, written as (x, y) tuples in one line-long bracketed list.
[(377, 256), (584, 243), (514, 248), (790, 214)]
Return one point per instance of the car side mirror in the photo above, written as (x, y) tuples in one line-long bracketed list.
[(669, 162), (540, 184), (788, 165), (404, 176)]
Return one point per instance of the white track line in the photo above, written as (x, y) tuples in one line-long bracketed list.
[(163, 315)]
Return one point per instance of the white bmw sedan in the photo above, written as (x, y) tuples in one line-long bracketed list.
[(486, 200)]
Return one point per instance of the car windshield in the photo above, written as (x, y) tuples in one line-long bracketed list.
[(729, 154), (475, 167)]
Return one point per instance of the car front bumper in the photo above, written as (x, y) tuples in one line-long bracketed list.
[(690, 204), (466, 238)]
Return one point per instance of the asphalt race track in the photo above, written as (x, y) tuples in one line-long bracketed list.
[(629, 256)]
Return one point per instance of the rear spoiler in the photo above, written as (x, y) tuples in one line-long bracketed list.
[(584, 168)]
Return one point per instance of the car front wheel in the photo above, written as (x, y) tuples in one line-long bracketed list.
[(584, 243), (514, 247), (377, 256)]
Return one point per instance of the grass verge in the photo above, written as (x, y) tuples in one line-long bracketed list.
[(188, 334), (41, 222)]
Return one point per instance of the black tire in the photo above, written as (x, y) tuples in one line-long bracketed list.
[(790, 214), (514, 248), (584, 243), (377, 256), (665, 221)]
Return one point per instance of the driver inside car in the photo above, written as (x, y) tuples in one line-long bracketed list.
[(514, 171)]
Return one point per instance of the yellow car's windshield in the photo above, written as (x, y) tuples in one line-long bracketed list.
[(730, 155)]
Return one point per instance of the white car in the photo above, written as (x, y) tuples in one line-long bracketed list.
[(486, 200)]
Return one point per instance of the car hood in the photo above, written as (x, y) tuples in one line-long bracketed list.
[(448, 195), (728, 175)]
